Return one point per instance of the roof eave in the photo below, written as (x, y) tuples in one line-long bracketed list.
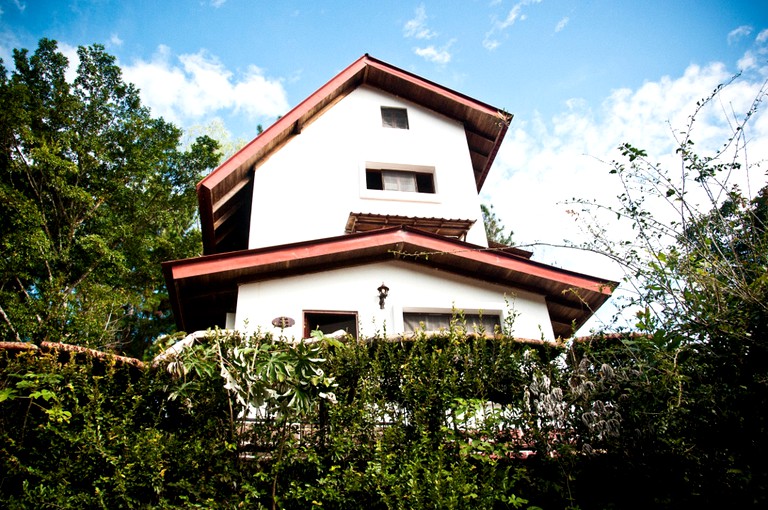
[(565, 290)]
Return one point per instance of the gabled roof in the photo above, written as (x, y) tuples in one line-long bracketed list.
[(203, 289), (224, 195)]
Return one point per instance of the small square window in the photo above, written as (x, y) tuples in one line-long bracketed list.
[(394, 117)]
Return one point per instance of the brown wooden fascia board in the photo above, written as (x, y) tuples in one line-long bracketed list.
[(206, 219), (496, 146), (481, 148), (561, 330), (565, 329), (173, 295)]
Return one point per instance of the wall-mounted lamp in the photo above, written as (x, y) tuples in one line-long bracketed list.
[(383, 293)]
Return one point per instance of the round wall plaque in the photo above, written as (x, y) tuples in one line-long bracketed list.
[(283, 322)]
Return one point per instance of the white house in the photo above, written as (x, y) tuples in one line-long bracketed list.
[(359, 210)]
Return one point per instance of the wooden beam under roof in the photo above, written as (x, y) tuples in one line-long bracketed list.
[(365, 222)]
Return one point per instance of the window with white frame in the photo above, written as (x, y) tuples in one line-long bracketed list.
[(429, 321), (329, 322), (399, 180)]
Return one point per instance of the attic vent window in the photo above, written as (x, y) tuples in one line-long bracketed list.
[(396, 180), (394, 117)]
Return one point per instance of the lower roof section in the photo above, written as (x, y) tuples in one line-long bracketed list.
[(204, 289)]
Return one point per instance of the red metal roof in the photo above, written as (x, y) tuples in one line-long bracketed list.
[(203, 289), (224, 195)]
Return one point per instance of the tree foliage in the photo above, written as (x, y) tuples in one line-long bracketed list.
[(94, 194), (495, 230)]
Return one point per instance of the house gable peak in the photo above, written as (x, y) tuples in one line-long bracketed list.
[(224, 195)]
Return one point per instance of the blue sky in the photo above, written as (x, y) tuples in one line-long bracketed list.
[(581, 77), (524, 56)]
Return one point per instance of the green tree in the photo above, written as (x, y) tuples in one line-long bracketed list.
[(216, 130), (94, 194), (494, 228)]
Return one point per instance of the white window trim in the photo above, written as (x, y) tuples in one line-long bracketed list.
[(399, 196), (491, 309)]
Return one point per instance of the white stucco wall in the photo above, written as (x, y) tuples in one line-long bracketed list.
[(412, 288), (307, 189)]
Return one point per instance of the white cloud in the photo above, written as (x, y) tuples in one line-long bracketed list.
[(432, 54), (8, 41), (748, 61), (8, 37), (752, 57), (21, 6), (491, 42), (562, 24), (115, 40), (217, 3), (544, 163), (739, 32), (70, 52), (193, 87), (516, 13), (417, 27)]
